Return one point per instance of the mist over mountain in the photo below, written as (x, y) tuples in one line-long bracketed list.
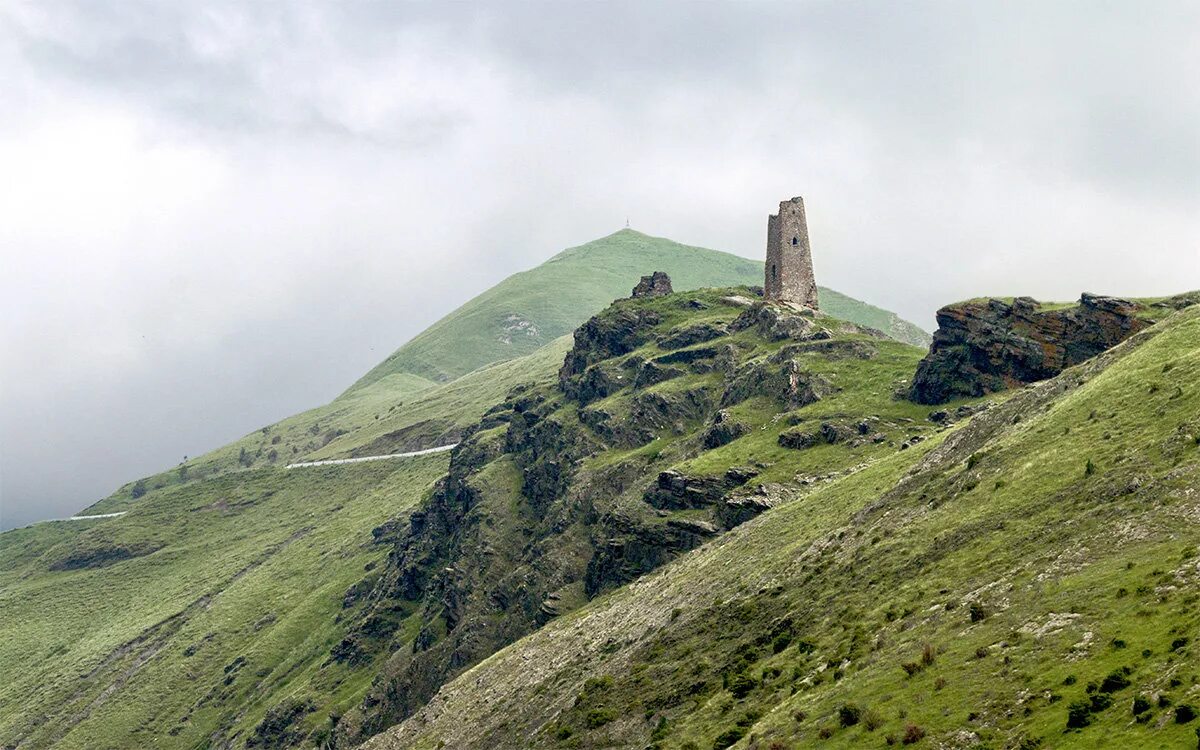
[(647, 375)]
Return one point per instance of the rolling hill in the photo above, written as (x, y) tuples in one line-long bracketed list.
[(206, 614)]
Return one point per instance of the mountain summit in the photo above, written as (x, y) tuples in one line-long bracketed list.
[(532, 308)]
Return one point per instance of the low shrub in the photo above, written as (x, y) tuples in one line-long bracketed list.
[(1079, 714), (1116, 680), (849, 715), (912, 734), (598, 717)]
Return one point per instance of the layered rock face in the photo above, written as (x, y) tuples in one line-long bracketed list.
[(985, 346), (529, 523)]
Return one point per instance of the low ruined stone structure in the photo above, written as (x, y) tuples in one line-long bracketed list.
[(789, 271), (655, 285)]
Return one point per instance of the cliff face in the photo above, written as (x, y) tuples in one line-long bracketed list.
[(985, 346)]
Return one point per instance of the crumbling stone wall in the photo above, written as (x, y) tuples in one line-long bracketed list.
[(789, 271), (656, 284)]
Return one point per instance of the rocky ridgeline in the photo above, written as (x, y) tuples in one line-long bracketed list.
[(984, 346), (523, 528)]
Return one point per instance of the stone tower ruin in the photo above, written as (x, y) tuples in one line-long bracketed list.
[(789, 271)]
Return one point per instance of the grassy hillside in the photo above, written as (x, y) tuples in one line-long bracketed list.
[(195, 612), (1024, 579), (208, 613), (558, 495), (530, 309), (219, 594)]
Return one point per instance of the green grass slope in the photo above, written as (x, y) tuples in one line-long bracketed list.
[(553, 499), (532, 308), (216, 599), (1027, 578), (191, 615)]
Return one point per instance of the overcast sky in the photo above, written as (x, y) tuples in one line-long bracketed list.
[(213, 215)]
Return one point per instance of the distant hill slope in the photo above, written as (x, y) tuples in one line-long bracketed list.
[(221, 589), (534, 307)]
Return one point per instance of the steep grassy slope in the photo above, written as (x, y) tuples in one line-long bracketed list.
[(1025, 579), (189, 616), (399, 413), (218, 596), (398, 405), (530, 309), (673, 420)]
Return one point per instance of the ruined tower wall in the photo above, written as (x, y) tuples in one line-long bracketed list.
[(789, 271)]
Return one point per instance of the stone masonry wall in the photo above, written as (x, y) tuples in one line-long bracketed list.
[(789, 271)]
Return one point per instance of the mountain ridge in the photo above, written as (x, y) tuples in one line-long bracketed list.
[(534, 306)]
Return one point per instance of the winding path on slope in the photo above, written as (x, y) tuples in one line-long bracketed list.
[(360, 459)]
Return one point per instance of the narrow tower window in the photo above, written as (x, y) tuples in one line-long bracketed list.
[(795, 241), (774, 273)]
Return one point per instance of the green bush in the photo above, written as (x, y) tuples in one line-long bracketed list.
[(1116, 680), (1079, 714), (598, 717), (741, 685), (849, 715)]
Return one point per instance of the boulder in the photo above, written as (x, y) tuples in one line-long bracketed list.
[(798, 439), (677, 491), (787, 383)]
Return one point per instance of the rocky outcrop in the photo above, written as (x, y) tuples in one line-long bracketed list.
[(985, 346), (657, 284), (723, 430), (787, 382), (691, 335), (618, 331), (676, 491)]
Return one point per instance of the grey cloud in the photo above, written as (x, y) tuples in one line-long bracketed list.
[(231, 210)]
